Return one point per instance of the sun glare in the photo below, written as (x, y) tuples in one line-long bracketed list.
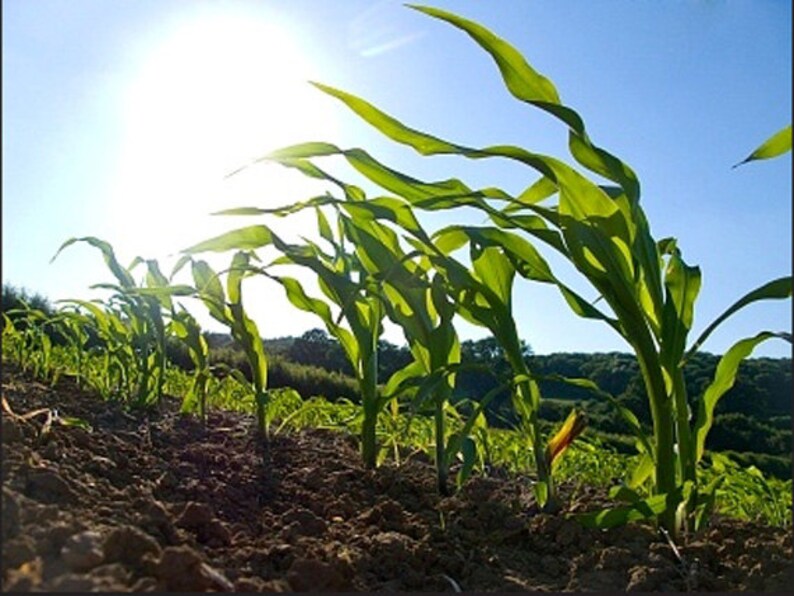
[(214, 92), (211, 93)]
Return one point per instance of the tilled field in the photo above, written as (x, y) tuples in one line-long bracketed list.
[(157, 502)]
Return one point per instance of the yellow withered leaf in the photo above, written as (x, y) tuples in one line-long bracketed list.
[(573, 426)]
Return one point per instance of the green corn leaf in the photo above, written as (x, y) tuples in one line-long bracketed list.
[(165, 292), (527, 85), (323, 226), (292, 153), (247, 238), (774, 290), (778, 144), (211, 291), (390, 209), (234, 278), (495, 270), (181, 262), (74, 421), (537, 192), (314, 202), (424, 143), (404, 379), (625, 494), (520, 78), (527, 260), (682, 283), (707, 500), (100, 315), (649, 275), (298, 297), (554, 169), (121, 274), (619, 516), (642, 471), (541, 492), (468, 450), (724, 378), (252, 341), (155, 277)]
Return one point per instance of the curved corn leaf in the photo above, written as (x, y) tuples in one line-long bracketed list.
[(101, 316), (618, 516), (724, 377), (526, 260), (164, 292), (774, 290), (778, 144), (527, 85), (642, 471), (210, 291), (247, 238), (121, 274)]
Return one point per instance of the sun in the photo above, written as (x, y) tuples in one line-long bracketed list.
[(214, 90)]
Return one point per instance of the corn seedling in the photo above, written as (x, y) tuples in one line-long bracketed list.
[(29, 339), (185, 327), (137, 326), (347, 286), (227, 308)]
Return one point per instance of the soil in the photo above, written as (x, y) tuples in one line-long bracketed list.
[(157, 502)]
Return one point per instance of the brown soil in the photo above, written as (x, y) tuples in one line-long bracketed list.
[(157, 502)]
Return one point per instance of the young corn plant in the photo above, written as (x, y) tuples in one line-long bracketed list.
[(602, 231), (347, 286), (140, 315), (227, 308), (187, 329), (422, 309), (109, 366), (24, 336), (72, 327)]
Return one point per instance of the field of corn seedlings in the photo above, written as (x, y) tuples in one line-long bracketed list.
[(122, 473)]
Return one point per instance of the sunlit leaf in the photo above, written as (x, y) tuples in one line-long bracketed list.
[(778, 144)]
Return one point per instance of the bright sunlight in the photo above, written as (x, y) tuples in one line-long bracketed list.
[(213, 93)]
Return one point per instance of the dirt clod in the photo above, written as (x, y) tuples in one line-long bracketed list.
[(83, 551), (128, 544)]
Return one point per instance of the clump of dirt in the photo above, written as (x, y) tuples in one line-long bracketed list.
[(157, 502)]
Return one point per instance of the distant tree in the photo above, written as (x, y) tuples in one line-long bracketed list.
[(317, 348), (391, 358), (13, 298)]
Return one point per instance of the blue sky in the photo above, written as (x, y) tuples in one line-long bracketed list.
[(120, 120)]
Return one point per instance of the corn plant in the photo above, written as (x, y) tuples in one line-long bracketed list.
[(187, 329), (421, 307), (110, 364), (347, 286), (30, 339), (394, 282), (227, 308), (601, 230), (137, 325), (747, 494), (73, 327)]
